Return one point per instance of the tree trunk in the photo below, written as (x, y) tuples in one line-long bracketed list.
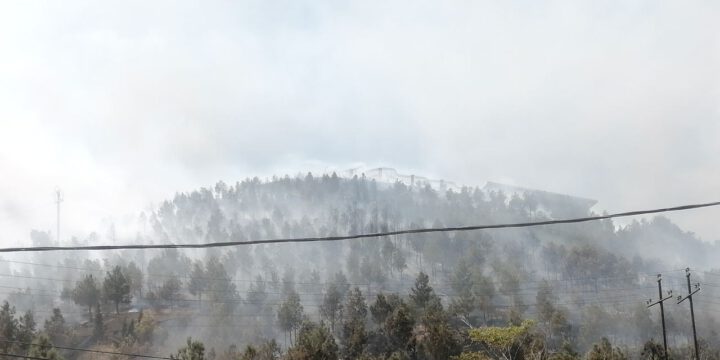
[(117, 307)]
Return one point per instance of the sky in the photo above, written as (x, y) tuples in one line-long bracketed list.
[(122, 104)]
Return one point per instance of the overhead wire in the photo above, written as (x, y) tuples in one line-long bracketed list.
[(440, 288), (615, 299), (22, 356), (358, 236), (83, 350), (152, 275)]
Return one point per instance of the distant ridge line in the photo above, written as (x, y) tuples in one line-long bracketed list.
[(358, 236)]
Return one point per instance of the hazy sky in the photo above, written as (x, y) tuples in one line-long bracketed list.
[(123, 104)]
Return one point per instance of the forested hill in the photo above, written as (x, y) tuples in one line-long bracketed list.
[(592, 255), (331, 205), (578, 283)]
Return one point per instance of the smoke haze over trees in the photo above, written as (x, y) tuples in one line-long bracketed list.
[(189, 123), (572, 288)]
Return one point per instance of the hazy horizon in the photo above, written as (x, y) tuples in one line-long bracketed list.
[(123, 104)]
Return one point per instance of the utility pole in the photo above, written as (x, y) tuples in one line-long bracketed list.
[(58, 200), (692, 311), (662, 310)]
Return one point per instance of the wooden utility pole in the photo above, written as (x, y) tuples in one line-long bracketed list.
[(662, 310), (692, 311)]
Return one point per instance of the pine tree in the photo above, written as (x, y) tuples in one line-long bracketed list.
[(42, 348), (169, 290), (55, 326), (605, 351), (399, 325), (422, 292), (194, 350), (353, 336), (314, 342), (99, 325), (117, 288), (290, 314), (135, 277), (8, 325), (381, 309), (26, 329), (198, 282), (331, 307), (86, 293)]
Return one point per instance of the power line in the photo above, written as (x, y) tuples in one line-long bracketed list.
[(441, 287), (519, 291), (78, 349), (357, 236), (311, 303), (22, 356), (152, 275), (622, 293), (409, 282)]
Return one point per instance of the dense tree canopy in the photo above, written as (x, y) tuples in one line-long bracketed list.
[(422, 296)]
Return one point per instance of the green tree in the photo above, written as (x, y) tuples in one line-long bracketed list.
[(135, 277), (198, 282), (605, 351), (257, 294), (386, 252), (422, 292), (86, 293), (8, 325), (99, 325), (193, 350), (26, 329), (545, 300), (314, 342), (42, 348), (381, 309), (464, 303), (483, 290), (290, 314), (268, 350), (398, 355), (250, 353), (170, 290), (552, 319), (288, 280), (461, 278), (435, 338), (508, 343), (566, 353), (354, 337), (399, 261), (595, 323), (55, 326), (221, 289), (399, 325), (652, 351), (116, 288), (331, 306), (341, 283)]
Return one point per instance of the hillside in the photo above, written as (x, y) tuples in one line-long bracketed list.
[(579, 283)]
